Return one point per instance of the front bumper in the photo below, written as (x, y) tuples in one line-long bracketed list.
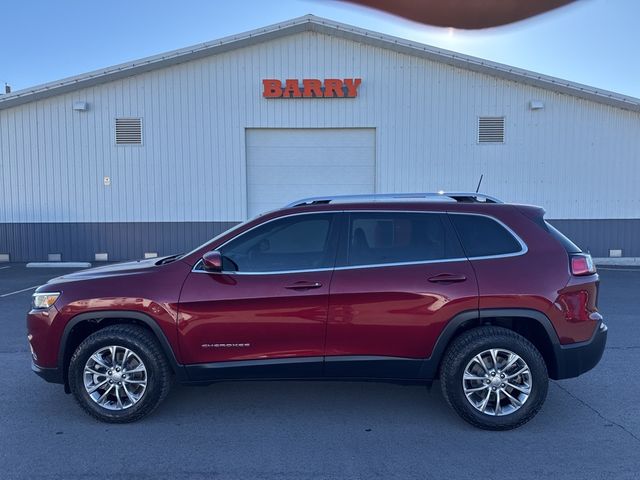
[(578, 358), (51, 375)]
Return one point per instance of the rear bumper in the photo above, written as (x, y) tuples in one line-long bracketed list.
[(51, 375), (578, 358)]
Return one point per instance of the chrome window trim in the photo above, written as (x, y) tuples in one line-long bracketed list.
[(279, 272), (523, 245), (400, 264)]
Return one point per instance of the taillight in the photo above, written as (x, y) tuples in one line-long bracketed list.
[(575, 306), (582, 264)]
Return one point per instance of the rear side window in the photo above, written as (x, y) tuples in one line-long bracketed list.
[(377, 238), (483, 236)]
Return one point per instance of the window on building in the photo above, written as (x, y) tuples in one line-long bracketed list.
[(482, 236), (128, 131), (395, 237), (490, 129), (299, 242)]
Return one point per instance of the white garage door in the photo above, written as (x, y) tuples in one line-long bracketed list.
[(284, 165)]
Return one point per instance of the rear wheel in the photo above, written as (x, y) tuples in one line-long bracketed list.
[(119, 374), (494, 378)]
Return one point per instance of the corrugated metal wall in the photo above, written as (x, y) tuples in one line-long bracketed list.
[(599, 236), (120, 240), (577, 158)]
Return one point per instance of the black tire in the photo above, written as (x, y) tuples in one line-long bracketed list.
[(145, 346), (471, 343)]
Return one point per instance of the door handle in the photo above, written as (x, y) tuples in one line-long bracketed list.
[(448, 278), (304, 286)]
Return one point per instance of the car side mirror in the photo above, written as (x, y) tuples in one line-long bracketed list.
[(212, 261)]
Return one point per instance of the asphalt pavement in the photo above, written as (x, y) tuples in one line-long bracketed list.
[(589, 427)]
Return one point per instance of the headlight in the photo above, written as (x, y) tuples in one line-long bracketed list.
[(44, 299)]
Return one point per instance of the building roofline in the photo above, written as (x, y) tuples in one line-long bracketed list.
[(326, 26)]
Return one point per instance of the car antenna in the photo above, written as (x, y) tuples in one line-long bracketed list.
[(479, 182)]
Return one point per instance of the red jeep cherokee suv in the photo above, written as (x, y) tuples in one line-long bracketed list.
[(485, 296)]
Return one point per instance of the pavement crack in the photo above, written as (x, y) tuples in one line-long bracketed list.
[(575, 397), (633, 347)]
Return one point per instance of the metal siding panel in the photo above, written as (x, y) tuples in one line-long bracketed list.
[(80, 241), (599, 236)]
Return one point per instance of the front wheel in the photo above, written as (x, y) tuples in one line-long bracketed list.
[(119, 374), (494, 378)]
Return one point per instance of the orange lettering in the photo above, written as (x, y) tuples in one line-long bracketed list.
[(312, 88), (272, 88), (332, 85), (352, 85), (291, 89)]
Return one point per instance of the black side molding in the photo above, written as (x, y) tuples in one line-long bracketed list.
[(536, 315), (567, 361), (578, 358), (121, 314), (51, 375), (367, 366), (263, 369), (430, 366)]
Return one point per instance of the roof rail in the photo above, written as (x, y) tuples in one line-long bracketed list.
[(467, 197)]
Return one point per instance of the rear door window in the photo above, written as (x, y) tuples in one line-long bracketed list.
[(378, 238), (483, 236)]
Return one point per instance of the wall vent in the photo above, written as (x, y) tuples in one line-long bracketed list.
[(128, 131), (490, 129)]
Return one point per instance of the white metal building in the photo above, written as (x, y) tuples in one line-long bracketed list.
[(160, 154)]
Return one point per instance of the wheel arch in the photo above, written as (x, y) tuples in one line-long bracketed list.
[(84, 324), (534, 325)]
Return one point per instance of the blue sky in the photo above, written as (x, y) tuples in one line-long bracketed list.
[(593, 41)]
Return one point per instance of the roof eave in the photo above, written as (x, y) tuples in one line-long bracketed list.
[(320, 25), (155, 62), (480, 65)]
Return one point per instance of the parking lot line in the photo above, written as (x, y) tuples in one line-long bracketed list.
[(2, 268), (18, 291)]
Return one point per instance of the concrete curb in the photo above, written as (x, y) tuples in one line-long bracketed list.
[(618, 261), (58, 265)]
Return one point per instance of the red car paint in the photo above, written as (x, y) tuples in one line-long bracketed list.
[(389, 311), (395, 311), (275, 321), (135, 286)]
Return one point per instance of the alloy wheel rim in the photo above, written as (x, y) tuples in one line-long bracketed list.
[(115, 377), (497, 382)]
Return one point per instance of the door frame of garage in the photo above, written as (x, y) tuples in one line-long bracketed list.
[(246, 159)]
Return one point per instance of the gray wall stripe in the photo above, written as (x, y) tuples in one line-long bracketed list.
[(598, 236), (124, 241)]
